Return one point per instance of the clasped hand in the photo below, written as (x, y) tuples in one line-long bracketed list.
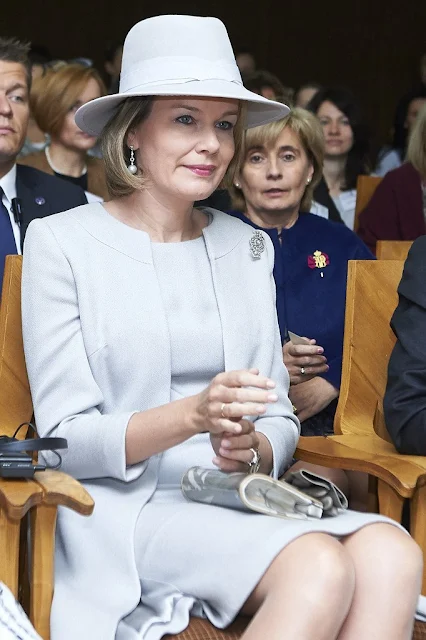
[(308, 358), (221, 409)]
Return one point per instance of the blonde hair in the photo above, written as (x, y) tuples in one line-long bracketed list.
[(56, 92), (309, 131), (416, 150), (116, 154)]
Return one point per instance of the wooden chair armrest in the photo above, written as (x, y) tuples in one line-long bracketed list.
[(369, 454), (61, 489), (18, 496)]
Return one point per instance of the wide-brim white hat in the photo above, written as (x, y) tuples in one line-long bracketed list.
[(179, 56)]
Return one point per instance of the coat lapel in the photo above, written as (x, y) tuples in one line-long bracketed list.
[(34, 203), (239, 328)]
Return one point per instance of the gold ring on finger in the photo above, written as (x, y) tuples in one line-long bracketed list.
[(302, 371), (221, 410)]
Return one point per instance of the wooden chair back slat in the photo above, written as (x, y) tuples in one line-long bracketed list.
[(371, 299), (393, 249), (365, 187), (15, 397)]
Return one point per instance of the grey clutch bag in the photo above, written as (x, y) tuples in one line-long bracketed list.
[(250, 492), (333, 499)]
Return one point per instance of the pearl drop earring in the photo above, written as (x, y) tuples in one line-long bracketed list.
[(237, 185), (132, 168), (308, 181)]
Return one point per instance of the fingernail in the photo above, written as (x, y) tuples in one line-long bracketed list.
[(238, 428), (226, 444), (327, 367), (270, 384), (216, 462), (272, 397), (320, 350), (260, 408)]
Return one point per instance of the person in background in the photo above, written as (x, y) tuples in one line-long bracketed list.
[(266, 84), (25, 193), (305, 93), (400, 127), (281, 165), (346, 153), (55, 98), (397, 209), (112, 65), (246, 62), (394, 156)]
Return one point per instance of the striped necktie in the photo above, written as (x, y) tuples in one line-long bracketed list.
[(7, 239)]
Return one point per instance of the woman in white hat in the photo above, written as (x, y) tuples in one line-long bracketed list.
[(150, 334)]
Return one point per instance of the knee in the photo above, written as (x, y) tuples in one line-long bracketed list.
[(408, 554), (393, 553), (334, 571), (322, 564)]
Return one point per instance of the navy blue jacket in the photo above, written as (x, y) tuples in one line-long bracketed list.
[(41, 195), (310, 297)]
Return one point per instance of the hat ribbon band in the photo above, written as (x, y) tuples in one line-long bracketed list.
[(171, 70)]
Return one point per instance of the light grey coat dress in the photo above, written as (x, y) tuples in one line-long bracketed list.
[(98, 350)]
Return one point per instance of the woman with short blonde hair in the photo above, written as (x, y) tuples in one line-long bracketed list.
[(280, 168), (311, 136), (55, 97)]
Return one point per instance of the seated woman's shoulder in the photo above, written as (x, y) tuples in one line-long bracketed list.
[(336, 232), (319, 223), (229, 221), (72, 216)]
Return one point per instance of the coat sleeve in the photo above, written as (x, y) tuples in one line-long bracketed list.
[(67, 401), (279, 424), (379, 219), (405, 397)]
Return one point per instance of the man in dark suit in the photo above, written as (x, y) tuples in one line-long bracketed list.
[(25, 193), (405, 398)]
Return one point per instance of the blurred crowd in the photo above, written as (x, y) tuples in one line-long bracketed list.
[(55, 144)]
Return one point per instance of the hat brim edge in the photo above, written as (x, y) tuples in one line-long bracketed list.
[(94, 115)]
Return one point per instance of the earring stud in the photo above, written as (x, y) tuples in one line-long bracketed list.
[(132, 168)]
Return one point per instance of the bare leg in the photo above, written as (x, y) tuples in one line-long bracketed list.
[(305, 593), (388, 567)]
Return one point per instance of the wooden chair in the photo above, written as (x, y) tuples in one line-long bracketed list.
[(40, 497), (393, 249), (361, 442), (365, 187)]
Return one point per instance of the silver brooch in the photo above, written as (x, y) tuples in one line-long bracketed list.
[(257, 244)]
